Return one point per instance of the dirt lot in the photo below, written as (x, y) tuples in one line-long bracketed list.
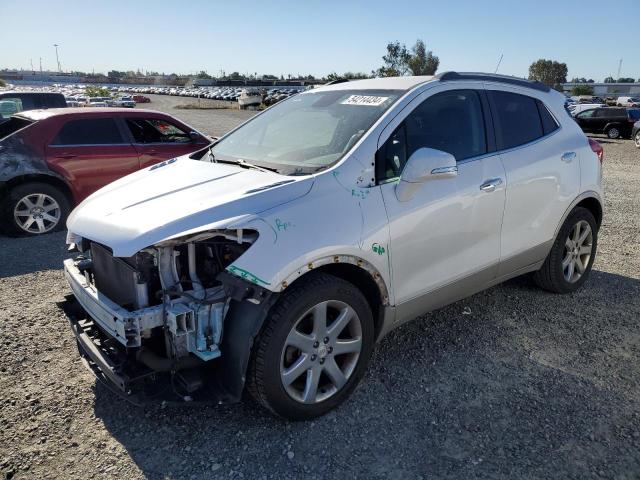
[(511, 383)]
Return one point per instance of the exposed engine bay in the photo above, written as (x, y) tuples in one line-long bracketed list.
[(161, 311)]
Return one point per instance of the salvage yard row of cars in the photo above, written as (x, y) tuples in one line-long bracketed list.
[(274, 258)]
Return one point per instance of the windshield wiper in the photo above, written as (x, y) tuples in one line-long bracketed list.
[(242, 163)]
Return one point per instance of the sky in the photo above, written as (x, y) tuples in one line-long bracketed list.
[(318, 37)]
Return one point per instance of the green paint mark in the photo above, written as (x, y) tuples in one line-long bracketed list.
[(360, 193), (379, 249), (283, 226), (246, 275)]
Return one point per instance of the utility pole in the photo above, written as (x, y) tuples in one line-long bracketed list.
[(31, 61), (619, 68), (57, 58), (40, 65), (499, 62)]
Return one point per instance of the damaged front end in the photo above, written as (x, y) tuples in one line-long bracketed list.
[(168, 319)]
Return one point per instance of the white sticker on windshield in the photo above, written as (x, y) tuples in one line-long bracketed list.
[(370, 100)]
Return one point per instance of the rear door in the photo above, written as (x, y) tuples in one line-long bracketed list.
[(156, 139), (90, 153), (543, 175)]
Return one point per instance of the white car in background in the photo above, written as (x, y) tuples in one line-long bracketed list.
[(628, 101), (281, 254), (576, 108)]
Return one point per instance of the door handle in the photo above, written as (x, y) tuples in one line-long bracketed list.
[(66, 156), (490, 185), (567, 157)]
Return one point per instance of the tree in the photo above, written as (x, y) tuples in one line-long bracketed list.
[(582, 90), (97, 92), (549, 72), (626, 80), (2, 83), (203, 74), (395, 61), (422, 62), (581, 80), (609, 80)]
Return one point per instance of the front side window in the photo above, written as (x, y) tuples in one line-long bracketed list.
[(517, 119), (94, 131), (307, 132), (153, 130), (449, 121), (586, 114)]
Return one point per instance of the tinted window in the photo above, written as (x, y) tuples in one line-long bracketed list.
[(603, 112), (634, 114), (450, 121), (549, 123), (13, 125), (95, 131), (9, 106), (517, 119), (153, 130)]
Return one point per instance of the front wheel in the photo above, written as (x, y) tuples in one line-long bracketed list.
[(313, 349), (571, 257)]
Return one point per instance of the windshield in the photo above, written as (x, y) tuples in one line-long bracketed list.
[(308, 132)]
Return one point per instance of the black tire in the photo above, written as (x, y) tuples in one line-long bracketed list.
[(264, 382), (551, 275), (9, 203), (636, 139), (613, 132)]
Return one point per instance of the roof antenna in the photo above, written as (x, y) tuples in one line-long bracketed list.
[(499, 62)]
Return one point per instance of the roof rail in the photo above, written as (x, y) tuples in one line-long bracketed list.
[(337, 80), (491, 77)]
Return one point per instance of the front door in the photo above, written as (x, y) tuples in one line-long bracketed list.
[(156, 140), (448, 234)]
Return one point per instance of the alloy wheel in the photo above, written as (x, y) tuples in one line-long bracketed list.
[(321, 352), (578, 248), (637, 139), (613, 133), (37, 213)]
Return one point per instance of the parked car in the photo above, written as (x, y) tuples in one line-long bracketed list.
[(614, 122), (635, 134), (98, 102), (576, 108), (124, 102), (50, 160), (282, 253), (141, 99), (628, 102), (14, 102)]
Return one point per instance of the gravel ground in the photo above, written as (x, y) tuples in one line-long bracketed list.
[(510, 383)]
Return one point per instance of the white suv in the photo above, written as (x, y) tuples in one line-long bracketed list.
[(281, 254)]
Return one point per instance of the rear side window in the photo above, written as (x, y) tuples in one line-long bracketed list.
[(517, 119), (634, 114), (9, 106), (94, 131), (549, 123)]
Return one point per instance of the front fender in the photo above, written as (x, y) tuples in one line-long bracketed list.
[(334, 223)]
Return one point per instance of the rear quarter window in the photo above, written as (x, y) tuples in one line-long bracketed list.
[(12, 126), (549, 123)]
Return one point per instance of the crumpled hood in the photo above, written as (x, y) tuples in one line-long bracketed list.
[(177, 196)]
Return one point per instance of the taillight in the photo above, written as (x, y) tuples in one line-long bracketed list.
[(597, 149)]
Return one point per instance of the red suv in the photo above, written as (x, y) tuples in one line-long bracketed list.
[(52, 159)]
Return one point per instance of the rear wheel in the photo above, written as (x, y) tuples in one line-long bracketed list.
[(34, 209), (571, 257), (613, 132), (313, 349), (636, 139)]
